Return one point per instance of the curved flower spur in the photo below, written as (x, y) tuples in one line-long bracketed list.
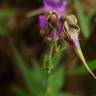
[(71, 31)]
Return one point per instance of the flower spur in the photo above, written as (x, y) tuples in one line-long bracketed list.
[(71, 31)]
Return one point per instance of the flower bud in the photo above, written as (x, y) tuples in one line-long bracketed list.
[(71, 30), (52, 19)]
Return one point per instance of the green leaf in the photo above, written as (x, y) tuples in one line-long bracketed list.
[(82, 18), (35, 78), (56, 80), (39, 79), (57, 56), (23, 68), (55, 83), (82, 70)]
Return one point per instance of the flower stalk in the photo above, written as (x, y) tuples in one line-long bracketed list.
[(54, 39)]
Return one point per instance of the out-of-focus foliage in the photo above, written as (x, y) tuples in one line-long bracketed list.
[(83, 19), (4, 16), (81, 70), (91, 14), (39, 82)]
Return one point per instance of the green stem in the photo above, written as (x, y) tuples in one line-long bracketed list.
[(54, 39), (47, 91), (49, 58), (48, 88), (49, 69)]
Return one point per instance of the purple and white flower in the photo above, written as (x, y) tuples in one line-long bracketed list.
[(59, 6), (55, 9)]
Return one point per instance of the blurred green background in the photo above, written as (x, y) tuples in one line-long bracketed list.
[(22, 52)]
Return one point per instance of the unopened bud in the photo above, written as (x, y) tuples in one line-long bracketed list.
[(52, 19), (71, 30)]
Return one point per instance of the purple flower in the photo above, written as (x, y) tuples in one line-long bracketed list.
[(50, 37), (55, 9), (59, 6), (71, 31), (44, 25)]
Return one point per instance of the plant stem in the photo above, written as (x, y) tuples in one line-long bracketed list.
[(49, 58), (49, 68), (54, 39)]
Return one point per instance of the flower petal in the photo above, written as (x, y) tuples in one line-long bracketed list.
[(75, 40), (59, 6), (43, 22), (50, 37)]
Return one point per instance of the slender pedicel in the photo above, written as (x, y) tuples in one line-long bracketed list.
[(54, 39)]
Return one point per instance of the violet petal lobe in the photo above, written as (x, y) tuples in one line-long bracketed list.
[(57, 5), (58, 31), (43, 22), (50, 37), (74, 39)]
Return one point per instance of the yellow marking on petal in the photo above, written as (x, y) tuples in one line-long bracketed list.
[(50, 12), (57, 1)]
